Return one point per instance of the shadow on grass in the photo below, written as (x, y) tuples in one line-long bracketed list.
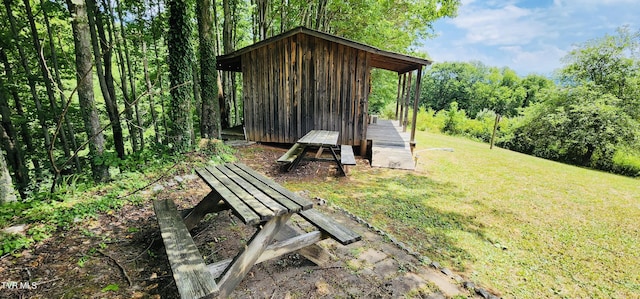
[(403, 205)]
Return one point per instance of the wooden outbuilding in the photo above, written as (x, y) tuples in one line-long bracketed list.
[(304, 80)]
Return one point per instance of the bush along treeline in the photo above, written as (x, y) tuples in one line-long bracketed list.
[(589, 115)]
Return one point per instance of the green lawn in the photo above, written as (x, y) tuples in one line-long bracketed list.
[(521, 226)]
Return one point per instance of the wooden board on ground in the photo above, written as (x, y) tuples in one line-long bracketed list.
[(189, 271)]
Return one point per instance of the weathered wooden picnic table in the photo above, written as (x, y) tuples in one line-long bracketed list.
[(320, 140), (256, 200)]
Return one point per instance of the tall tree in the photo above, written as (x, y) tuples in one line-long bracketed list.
[(47, 82), (180, 75), (11, 143), (84, 75), (53, 54), (124, 65), (612, 64), (210, 120), (24, 59), (24, 126), (7, 192), (102, 56)]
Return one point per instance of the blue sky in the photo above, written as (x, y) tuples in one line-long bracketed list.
[(528, 36)]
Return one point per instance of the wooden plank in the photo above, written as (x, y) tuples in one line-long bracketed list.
[(298, 93), (309, 98), (314, 252), (245, 260), (320, 138), (305, 204), (211, 203), (337, 73), (239, 208), (353, 66), (337, 231), (272, 251), (291, 154), (287, 82), (237, 188), (362, 132), (266, 188), (346, 155), (279, 94), (267, 69), (346, 90), (189, 271), (258, 194)]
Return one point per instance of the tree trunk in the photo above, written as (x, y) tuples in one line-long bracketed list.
[(82, 42), (495, 128), (210, 120), (7, 192), (263, 10), (48, 86), (228, 82), (128, 99), (163, 114), (11, 144), (106, 46), (30, 79), (112, 109), (69, 132), (152, 104), (180, 75), (24, 126)]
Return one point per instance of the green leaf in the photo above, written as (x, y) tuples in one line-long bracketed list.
[(111, 287)]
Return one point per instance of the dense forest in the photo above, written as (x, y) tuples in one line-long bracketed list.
[(87, 87)]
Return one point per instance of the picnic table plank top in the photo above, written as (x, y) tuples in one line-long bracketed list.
[(320, 137), (236, 186), (254, 197), (249, 186), (243, 211), (273, 194)]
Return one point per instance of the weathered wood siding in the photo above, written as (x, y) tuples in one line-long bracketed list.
[(303, 83)]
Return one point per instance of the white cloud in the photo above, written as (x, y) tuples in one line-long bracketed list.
[(527, 35), (539, 60), (506, 25)]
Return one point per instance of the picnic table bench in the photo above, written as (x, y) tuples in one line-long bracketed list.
[(319, 139), (256, 200)]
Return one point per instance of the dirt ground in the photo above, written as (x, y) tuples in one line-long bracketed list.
[(121, 255)]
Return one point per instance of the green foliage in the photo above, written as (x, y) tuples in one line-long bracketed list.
[(13, 242), (627, 161), (217, 151), (475, 87), (111, 287), (454, 120), (580, 126), (384, 90)]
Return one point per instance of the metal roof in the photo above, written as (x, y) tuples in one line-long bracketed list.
[(379, 58)]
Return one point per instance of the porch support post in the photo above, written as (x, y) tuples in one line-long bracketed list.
[(406, 104), (416, 106), (399, 94)]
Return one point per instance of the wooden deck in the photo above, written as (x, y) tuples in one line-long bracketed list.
[(389, 145)]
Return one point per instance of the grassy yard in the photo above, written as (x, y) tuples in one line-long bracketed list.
[(519, 225)]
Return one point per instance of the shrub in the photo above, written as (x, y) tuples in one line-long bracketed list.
[(626, 161), (455, 119)]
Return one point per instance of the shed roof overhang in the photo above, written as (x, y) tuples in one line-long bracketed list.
[(396, 62)]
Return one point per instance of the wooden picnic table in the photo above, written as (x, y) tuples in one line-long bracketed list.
[(320, 140), (256, 200)]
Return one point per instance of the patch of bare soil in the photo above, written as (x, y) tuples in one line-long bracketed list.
[(121, 255)]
